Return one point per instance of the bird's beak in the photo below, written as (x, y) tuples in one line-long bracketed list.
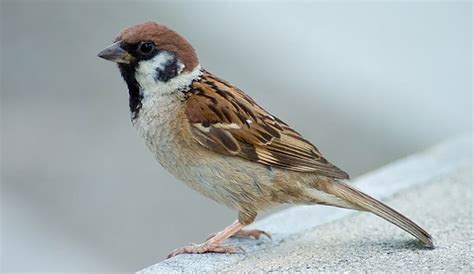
[(116, 53)]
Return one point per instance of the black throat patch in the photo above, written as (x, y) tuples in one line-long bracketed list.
[(135, 98), (163, 73)]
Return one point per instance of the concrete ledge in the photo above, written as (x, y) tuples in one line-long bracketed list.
[(434, 188)]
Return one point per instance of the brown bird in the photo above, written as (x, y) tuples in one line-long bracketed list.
[(219, 141)]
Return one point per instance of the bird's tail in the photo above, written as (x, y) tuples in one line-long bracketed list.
[(362, 201)]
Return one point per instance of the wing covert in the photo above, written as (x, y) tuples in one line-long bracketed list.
[(225, 120)]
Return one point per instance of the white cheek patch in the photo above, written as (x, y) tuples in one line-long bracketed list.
[(146, 70), (145, 74)]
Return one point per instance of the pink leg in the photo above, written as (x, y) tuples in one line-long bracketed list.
[(255, 233), (213, 244), (247, 233)]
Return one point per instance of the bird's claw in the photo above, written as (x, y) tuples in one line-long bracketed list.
[(255, 233), (244, 233)]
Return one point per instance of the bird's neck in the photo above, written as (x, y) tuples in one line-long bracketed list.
[(144, 85)]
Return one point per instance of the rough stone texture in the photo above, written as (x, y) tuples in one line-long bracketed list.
[(434, 188)]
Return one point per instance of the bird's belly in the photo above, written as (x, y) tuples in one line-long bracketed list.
[(229, 180)]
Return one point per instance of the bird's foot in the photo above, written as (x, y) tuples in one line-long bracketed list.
[(205, 248), (255, 233), (247, 233)]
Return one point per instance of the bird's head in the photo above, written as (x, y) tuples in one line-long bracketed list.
[(151, 57)]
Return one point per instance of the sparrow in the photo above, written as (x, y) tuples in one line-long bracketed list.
[(216, 139)]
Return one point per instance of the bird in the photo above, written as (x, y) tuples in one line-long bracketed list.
[(216, 139)]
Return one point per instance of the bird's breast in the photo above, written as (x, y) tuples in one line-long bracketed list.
[(158, 124), (230, 180)]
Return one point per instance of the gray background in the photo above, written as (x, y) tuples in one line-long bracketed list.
[(367, 83)]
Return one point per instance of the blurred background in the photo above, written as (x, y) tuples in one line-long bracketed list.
[(367, 83)]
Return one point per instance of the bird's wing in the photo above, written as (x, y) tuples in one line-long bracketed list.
[(225, 120)]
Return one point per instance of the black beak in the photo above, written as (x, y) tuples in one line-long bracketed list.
[(116, 53)]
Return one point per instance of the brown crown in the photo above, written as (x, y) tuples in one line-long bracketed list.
[(164, 38)]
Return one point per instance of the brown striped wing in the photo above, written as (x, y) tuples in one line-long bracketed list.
[(226, 121)]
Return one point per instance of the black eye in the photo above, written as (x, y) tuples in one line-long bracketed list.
[(146, 48)]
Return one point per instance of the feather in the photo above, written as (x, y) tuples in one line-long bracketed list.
[(362, 201), (227, 121)]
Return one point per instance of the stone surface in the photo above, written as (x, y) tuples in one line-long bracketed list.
[(434, 188)]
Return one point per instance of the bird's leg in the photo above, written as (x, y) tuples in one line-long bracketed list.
[(255, 233), (246, 217), (213, 244), (247, 233)]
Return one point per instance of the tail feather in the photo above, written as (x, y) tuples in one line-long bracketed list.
[(362, 201)]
